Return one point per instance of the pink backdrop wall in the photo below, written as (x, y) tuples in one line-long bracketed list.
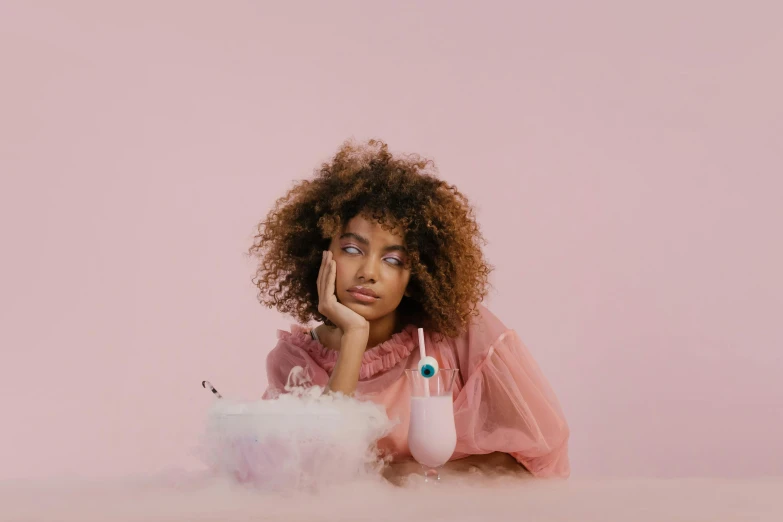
[(625, 162)]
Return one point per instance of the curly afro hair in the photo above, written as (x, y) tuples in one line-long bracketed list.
[(449, 275)]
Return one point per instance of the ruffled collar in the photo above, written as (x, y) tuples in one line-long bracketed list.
[(375, 360)]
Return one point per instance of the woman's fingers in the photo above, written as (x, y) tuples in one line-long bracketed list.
[(320, 269), (321, 277), (326, 278), (330, 282)]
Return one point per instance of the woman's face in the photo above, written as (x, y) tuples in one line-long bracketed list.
[(370, 260)]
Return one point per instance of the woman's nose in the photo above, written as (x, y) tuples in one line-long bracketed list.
[(368, 270)]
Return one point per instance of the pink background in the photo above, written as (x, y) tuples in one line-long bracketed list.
[(625, 162)]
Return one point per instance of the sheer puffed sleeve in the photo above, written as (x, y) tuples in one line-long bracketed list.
[(291, 352), (505, 403)]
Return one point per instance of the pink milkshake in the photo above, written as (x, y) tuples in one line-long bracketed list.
[(432, 436)]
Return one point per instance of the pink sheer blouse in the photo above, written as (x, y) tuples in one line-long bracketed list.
[(502, 401)]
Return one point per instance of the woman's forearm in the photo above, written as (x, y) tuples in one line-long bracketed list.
[(345, 375), (490, 465)]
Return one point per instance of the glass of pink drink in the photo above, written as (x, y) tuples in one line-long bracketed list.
[(432, 436)]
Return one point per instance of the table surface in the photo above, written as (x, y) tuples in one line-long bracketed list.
[(196, 497)]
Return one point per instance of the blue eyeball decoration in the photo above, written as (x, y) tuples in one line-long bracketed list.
[(428, 367)]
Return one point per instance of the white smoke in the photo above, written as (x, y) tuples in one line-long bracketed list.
[(302, 440)]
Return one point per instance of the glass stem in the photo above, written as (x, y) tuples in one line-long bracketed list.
[(431, 474)]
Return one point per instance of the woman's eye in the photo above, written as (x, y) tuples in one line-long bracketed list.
[(391, 260)]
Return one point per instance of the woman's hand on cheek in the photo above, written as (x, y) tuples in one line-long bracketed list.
[(343, 317)]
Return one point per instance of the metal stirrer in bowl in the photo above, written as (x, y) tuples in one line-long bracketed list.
[(208, 385)]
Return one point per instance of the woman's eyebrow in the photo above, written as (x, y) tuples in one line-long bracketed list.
[(363, 240)]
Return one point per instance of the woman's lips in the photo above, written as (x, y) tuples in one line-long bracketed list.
[(362, 298)]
